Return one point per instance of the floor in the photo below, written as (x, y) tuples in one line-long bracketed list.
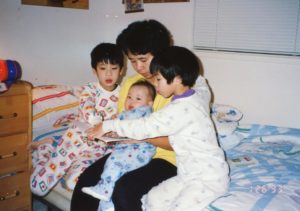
[(38, 206)]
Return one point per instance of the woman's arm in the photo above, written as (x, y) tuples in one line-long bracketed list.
[(162, 142), (161, 123)]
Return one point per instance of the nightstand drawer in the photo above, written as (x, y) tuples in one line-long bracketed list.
[(15, 134), (14, 111), (13, 153), (14, 192)]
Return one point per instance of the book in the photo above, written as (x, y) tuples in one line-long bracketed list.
[(84, 126), (108, 139)]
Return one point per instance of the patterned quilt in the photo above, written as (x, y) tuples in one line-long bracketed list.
[(264, 171)]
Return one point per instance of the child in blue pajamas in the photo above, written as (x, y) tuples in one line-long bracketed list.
[(126, 157)]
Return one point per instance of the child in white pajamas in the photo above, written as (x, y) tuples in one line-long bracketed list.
[(125, 156), (202, 172), (98, 102)]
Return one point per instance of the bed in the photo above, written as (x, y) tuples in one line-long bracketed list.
[(264, 160)]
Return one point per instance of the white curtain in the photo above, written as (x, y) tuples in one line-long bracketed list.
[(263, 26)]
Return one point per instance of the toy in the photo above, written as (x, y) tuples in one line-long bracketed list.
[(10, 71)]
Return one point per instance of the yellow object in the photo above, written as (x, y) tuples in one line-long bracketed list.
[(54, 109), (159, 103)]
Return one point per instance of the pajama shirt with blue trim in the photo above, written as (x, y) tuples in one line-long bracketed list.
[(73, 152), (202, 172)]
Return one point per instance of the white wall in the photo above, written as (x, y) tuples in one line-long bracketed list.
[(266, 88), (53, 46)]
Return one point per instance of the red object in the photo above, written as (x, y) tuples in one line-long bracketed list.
[(3, 70)]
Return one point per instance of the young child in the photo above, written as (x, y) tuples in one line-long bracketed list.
[(202, 172), (98, 102), (127, 156)]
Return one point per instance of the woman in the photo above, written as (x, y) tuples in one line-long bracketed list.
[(140, 41)]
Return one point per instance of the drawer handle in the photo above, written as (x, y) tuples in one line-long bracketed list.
[(10, 195), (8, 155), (9, 116)]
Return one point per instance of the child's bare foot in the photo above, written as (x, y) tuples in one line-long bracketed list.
[(34, 145)]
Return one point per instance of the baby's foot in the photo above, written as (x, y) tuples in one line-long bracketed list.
[(94, 191), (34, 145)]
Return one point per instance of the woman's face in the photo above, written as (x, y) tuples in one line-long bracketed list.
[(141, 63)]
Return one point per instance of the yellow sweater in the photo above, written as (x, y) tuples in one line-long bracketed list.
[(159, 102)]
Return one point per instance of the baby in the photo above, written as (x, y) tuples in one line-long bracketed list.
[(127, 156)]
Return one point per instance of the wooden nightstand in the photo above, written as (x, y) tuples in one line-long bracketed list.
[(15, 134)]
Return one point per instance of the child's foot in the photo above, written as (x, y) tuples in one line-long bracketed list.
[(34, 145), (94, 191)]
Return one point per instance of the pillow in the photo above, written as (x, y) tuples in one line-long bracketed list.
[(226, 120), (232, 140), (54, 105)]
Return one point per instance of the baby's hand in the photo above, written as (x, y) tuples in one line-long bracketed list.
[(95, 132)]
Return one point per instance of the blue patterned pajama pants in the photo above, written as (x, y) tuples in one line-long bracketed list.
[(124, 158)]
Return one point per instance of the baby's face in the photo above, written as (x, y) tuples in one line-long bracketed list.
[(138, 96)]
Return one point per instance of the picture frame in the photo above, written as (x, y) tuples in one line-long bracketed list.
[(161, 1), (133, 6), (74, 4), (164, 1)]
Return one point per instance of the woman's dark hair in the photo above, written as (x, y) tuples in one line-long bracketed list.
[(176, 61), (142, 37), (107, 53)]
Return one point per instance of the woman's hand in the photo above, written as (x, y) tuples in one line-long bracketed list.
[(162, 142), (95, 132), (131, 141)]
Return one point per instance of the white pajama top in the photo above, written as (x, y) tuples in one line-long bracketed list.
[(202, 172)]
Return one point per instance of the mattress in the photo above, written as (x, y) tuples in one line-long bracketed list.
[(264, 160), (60, 197)]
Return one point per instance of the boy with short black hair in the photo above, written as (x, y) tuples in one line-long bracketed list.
[(98, 101)]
